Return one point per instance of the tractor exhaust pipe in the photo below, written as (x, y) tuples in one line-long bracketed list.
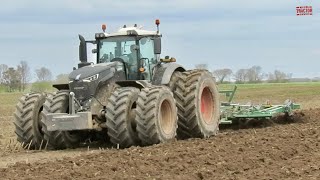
[(82, 50)]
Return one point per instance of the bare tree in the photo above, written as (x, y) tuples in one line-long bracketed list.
[(43, 74), (12, 79), (201, 66), (62, 78), (24, 72), (222, 74), (254, 74), (278, 76), (241, 76), (3, 68)]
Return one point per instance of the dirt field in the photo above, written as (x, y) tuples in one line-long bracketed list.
[(269, 151)]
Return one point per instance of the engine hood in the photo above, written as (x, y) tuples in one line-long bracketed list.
[(91, 70)]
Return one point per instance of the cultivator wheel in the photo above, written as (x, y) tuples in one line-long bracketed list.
[(28, 120), (198, 104), (156, 115), (59, 103), (120, 117)]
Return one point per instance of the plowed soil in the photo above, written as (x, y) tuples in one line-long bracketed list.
[(278, 150)]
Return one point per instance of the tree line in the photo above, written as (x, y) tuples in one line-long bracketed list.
[(19, 78), (253, 74)]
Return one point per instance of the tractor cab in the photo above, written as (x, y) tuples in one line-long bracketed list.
[(137, 49), (137, 53)]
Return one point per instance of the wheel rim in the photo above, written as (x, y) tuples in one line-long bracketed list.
[(166, 116), (207, 105)]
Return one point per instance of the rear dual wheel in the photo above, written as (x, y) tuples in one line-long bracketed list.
[(198, 104), (156, 115)]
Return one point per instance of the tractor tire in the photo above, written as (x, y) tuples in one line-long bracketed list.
[(27, 120), (174, 79), (198, 105), (120, 117), (59, 103), (156, 115)]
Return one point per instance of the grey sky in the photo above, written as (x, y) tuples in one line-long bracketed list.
[(229, 33)]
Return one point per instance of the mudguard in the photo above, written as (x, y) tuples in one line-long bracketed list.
[(137, 84), (61, 86), (163, 73)]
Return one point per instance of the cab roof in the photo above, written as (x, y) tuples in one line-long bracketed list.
[(129, 31)]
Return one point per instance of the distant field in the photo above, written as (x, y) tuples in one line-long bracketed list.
[(306, 94), (7, 103)]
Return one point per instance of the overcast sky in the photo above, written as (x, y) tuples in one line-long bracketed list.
[(226, 33)]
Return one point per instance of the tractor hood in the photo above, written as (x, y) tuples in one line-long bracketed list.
[(91, 71), (85, 81)]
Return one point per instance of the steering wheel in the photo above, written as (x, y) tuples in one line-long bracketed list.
[(118, 59), (104, 58)]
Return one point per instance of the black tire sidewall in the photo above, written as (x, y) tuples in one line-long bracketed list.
[(36, 118), (133, 97)]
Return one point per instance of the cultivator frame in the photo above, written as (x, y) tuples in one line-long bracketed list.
[(234, 113)]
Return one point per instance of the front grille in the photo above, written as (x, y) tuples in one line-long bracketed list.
[(82, 90)]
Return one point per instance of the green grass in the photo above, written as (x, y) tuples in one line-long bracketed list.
[(307, 94), (8, 102), (3, 88)]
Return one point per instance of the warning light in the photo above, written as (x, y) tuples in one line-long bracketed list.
[(104, 27), (141, 69), (157, 22)]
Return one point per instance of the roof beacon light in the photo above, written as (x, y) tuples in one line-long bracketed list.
[(104, 27), (157, 23)]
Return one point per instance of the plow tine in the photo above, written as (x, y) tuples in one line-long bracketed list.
[(29, 144), (41, 145), (46, 145)]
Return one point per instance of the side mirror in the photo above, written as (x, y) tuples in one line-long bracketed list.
[(82, 49), (157, 45)]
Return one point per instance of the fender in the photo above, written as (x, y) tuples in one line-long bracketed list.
[(61, 86), (137, 84), (163, 73)]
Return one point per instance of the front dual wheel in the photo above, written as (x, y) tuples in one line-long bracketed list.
[(59, 103), (141, 117)]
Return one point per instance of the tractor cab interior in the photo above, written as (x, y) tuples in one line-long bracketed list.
[(137, 54)]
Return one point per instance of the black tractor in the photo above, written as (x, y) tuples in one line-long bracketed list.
[(128, 95)]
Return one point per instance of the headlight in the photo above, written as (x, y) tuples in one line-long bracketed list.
[(100, 35), (91, 78)]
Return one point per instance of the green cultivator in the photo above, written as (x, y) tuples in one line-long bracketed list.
[(236, 113)]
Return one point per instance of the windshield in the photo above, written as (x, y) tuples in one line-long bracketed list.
[(115, 47), (135, 52)]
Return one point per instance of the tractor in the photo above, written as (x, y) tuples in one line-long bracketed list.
[(129, 95)]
